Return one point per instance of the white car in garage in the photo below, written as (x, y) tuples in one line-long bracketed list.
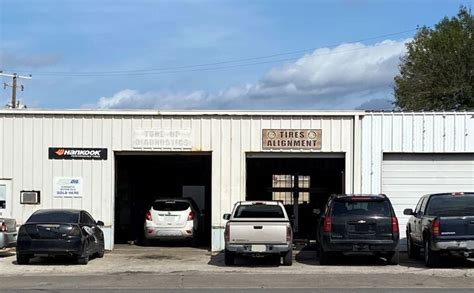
[(172, 219)]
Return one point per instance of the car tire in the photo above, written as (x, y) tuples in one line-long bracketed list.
[(432, 258), (413, 251), (324, 258), (229, 258), (22, 259), (393, 258), (288, 258), (83, 260), (101, 252)]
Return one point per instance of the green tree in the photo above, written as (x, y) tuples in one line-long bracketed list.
[(437, 73)]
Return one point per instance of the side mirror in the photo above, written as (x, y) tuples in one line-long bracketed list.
[(408, 212), (100, 223), (226, 217), (317, 212)]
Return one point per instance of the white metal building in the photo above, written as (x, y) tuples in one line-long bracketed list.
[(112, 163), (229, 139), (407, 155)]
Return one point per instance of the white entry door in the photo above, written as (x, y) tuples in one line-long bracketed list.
[(406, 177)]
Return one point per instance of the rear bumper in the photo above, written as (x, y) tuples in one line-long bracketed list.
[(454, 246), (359, 246), (51, 247), (169, 233), (7, 239), (249, 248)]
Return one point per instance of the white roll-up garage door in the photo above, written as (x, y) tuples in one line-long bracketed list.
[(406, 177)]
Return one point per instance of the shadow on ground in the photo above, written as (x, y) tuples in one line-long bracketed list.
[(246, 261)]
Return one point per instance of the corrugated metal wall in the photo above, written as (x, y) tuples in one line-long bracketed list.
[(411, 133), (26, 137), (432, 139)]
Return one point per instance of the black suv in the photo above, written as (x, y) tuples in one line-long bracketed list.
[(358, 224)]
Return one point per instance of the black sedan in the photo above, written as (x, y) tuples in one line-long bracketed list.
[(60, 232)]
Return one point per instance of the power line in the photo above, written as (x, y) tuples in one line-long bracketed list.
[(212, 66)]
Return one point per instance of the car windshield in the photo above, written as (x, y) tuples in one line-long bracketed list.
[(361, 208), (259, 211), (54, 217), (170, 205), (451, 205)]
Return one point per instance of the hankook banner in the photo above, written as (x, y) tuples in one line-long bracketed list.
[(58, 153), (309, 139)]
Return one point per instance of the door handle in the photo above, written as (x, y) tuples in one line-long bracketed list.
[(258, 227)]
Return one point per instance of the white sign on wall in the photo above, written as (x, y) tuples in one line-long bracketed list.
[(67, 187), (161, 138)]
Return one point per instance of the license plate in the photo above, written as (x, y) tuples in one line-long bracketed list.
[(259, 248), (360, 247)]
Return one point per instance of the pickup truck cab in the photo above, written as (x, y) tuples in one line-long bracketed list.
[(363, 224), (258, 228), (442, 224)]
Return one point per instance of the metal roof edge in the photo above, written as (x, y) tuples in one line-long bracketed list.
[(182, 112)]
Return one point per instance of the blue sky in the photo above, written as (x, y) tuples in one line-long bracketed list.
[(68, 46)]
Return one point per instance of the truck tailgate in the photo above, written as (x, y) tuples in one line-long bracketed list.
[(457, 227), (257, 232)]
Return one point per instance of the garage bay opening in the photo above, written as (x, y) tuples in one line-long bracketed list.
[(142, 179), (302, 183)]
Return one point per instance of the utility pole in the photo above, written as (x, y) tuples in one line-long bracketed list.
[(14, 85)]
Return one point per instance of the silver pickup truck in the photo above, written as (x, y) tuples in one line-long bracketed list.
[(258, 228), (8, 232)]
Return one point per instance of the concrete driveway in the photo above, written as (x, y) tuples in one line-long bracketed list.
[(175, 260)]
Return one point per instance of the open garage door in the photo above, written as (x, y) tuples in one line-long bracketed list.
[(143, 178), (406, 177), (303, 182)]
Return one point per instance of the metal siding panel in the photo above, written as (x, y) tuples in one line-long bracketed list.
[(418, 133)]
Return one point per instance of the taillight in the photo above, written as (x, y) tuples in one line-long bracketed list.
[(227, 233), (327, 226), (289, 234), (3, 227), (75, 231), (191, 216), (148, 216), (395, 229), (435, 228)]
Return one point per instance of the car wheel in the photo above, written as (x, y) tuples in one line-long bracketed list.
[(101, 252), (229, 258), (393, 258), (83, 260), (288, 258), (22, 259), (412, 250), (324, 257), (431, 257)]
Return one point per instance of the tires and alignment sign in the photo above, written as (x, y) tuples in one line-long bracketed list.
[(59, 153)]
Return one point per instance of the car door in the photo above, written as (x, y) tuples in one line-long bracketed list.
[(90, 226), (418, 233)]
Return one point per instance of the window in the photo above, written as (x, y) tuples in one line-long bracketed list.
[(49, 216), (87, 219), (373, 208), (450, 205), (171, 206), (259, 211), (286, 182)]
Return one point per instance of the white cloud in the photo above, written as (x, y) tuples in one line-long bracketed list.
[(340, 77)]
